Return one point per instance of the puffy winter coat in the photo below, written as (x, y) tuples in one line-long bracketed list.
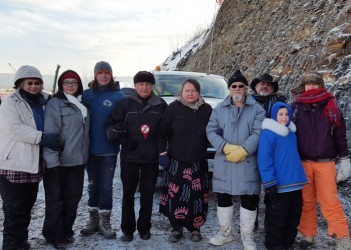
[(238, 126), (278, 159), (64, 118), (19, 137), (317, 138)]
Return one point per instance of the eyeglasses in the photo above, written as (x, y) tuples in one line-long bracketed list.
[(67, 83), (237, 86), (35, 83)]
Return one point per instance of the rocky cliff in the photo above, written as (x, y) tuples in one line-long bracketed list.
[(284, 38)]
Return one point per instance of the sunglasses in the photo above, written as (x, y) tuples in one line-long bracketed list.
[(237, 86), (35, 83)]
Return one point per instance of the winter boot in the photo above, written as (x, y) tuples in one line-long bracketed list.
[(11, 244), (306, 241), (343, 243), (93, 222), (105, 225), (225, 218), (247, 224)]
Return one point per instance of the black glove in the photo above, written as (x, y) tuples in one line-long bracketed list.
[(163, 161), (114, 133), (271, 195), (52, 141)]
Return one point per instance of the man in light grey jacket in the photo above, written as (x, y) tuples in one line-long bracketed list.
[(234, 130)]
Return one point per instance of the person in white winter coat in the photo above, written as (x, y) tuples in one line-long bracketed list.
[(233, 130), (21, 165)]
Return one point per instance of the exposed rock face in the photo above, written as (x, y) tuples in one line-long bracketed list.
[(284, 38)]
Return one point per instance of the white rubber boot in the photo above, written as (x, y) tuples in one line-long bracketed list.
[(225, 218), (343, 243), (247, 224)]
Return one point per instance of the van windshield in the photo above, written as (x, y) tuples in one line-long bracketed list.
[(211, 86)]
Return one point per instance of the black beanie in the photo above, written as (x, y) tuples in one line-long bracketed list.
[(144, 76), (237, 77)]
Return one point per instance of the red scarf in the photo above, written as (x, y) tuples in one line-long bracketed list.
[(314, 96)]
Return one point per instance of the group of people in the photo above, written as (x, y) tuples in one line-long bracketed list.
[(260, 141), (292, 153), (48, 137)]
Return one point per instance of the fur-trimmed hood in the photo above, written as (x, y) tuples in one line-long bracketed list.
[(278, 128)]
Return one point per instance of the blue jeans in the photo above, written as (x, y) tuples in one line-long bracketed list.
[(101, 170)]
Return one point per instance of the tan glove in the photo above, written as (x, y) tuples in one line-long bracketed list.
[(344, 170), (237, 155)]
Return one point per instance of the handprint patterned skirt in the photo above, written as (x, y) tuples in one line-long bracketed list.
[(184, 196)]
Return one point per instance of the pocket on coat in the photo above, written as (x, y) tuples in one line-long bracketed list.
[(219, 167), (7, 149), (68, 117)]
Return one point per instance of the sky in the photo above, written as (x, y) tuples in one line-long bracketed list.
[(75, 34)]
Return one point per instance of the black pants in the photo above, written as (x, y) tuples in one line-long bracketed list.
[(63, 191), (131, 174), (248, 202), (17, 202), (281, 221)]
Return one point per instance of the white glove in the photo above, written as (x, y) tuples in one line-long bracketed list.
[(344, 171)]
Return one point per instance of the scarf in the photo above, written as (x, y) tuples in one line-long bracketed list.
[(195, 105), (314, 96), (77, 102), (37, 99)]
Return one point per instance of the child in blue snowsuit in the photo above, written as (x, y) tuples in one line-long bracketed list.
[(282, 176)]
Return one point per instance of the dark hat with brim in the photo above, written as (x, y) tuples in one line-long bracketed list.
[(265, 78)]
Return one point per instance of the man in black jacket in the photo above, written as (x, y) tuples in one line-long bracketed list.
[(134, 123)]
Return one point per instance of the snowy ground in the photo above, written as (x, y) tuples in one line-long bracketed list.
[(160, 226)]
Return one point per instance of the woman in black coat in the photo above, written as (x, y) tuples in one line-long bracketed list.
[(184, 199)]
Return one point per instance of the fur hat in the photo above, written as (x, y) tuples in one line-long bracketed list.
[(313, 77), (144, 76), (237, 77), (70, 74), (101, 67), (264, 78), (24, 72)]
